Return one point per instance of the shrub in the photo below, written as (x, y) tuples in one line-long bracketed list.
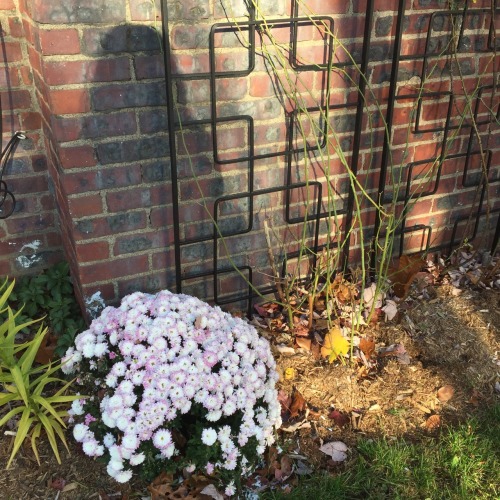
[(174, 383)]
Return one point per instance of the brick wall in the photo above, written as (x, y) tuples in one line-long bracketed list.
[(30, 238), (93, 105)]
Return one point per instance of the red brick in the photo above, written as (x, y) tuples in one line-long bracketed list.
[(104, 271), (77, 156), (161, 216), (163, 259), (35, 60), (66, 129), (85, 205), (145, 11), (28, 184), (88, 252), (142, 241), (16, 27), (138, 197), (47, 202), (187, 63), (69, 101), (151, 283), (7, 5), (261, 85), (26, 75), (33, 223), (9, 77), (59, 41), (5, 269), (13, 245), (105, 178), (31, 120), (327, 7), (11, 52), (150, 66), (105, 290), (76, 11), (16, 99), (67, 72)]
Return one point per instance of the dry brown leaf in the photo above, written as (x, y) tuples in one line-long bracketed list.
[(433, 422), (367, 345), (403, 275), (285, 470), (304, 343), (340, 419), (57, 484), (299, 330), (298, 404), (315, 349), (342, 289), (285, 400), (445, 393)]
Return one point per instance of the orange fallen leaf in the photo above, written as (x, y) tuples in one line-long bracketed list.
[(367, 345), (403, 275), (304, 343), (433, 422), (298, 404), (445, 393)]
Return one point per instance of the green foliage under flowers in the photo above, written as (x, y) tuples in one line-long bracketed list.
[(27, 391), (50, 294)]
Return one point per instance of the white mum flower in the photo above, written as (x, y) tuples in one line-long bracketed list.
[(79, 432), (209, 436)]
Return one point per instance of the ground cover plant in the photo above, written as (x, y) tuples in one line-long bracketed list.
[(49, 295)]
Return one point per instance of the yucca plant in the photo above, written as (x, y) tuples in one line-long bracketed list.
[(25, 387)]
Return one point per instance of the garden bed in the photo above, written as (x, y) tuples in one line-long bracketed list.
[(451, 339)]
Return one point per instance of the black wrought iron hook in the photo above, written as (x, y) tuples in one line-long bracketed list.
[(6, 209)]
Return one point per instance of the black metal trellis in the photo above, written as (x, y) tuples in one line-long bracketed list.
[(252, 28), (430, 53)]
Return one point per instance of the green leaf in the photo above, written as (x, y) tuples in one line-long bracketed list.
[(6, 398), (44, 402), (48, 424), (21, 383), (28, 356), (6, 294), (34, 436), (63, 399), (11, 414), (60, 433), (23, 428)]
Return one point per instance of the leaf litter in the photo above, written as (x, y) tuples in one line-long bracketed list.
[(424, 347)]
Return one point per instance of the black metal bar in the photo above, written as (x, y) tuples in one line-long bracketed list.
[(171, 140), (358, 129), (386, 150)]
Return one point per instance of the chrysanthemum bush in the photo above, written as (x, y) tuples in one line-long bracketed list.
[(173, 383)]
